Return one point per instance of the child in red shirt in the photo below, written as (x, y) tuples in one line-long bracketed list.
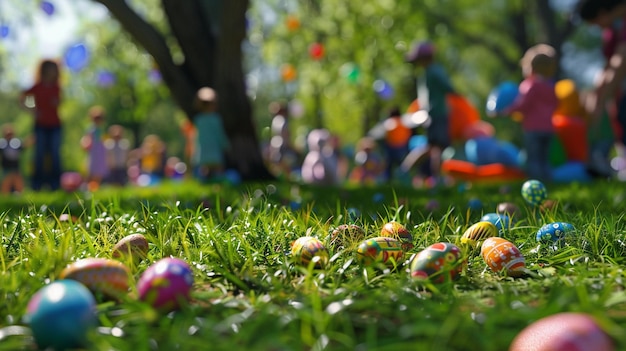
[(46, 97)]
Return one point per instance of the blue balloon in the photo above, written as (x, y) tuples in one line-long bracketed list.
[(76, 57), (4, 31), (502, 96), (482, 151)]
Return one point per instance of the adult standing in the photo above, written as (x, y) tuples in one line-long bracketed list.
[(46, 98)]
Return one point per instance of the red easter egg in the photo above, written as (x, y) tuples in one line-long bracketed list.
[(502, 255), (563, 332), (316, 51), (100, 275)]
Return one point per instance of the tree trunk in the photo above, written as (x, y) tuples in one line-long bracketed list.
[(213, 57)]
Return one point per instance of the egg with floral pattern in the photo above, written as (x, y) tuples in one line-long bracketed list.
[(438, 262), (502, 255), (554, 231), (381, 249), (534, 192)]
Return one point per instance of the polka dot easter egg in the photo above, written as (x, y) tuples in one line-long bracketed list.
[(398, 231), (61, 315), (307, 249), (346, 235), (567, 331), (502, 255), (554, 231), (534, 192), (478, 232), (166, 284), (439, 262), (381, 249), (102, 276)]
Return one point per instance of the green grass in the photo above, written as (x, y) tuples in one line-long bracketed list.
[(249, 295)]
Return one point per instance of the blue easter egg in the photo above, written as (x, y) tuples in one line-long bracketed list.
[(475, 204), (61, 314), (554, 231), (378, 198), (534, 192), (501, 221)]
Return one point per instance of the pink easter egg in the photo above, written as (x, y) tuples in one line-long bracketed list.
[(563, 332), (166, 284)]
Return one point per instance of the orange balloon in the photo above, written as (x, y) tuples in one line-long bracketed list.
[(288, 72)]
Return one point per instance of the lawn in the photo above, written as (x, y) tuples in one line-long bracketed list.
[(248, 293)]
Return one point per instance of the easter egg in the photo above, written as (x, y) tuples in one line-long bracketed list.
[(100, 275), (566, 331), (133, 246), (534, 192), (478, 232), (398, 231), (166, 284), (304, 249), (61, 314), (439, 262), (507, 208), (502, 255), (381, 249), (501, 221), (346, 235), (554, 231)]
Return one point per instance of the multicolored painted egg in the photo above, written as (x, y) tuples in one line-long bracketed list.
[(567, 331), (507, 208), (306, 248), (398, 231), (439, 262), (534, 192), (347, 235), (166, 284), (554, 231), (101, 275), (502, 255), (61, 315), (133, 246), (501, 221), (478, 232), (381, 249)]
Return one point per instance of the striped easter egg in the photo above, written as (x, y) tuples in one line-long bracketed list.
[(478, 232), (381, 249), (305, 248), (502, 255)]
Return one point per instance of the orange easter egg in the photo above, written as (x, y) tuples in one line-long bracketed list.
[(502, 255)]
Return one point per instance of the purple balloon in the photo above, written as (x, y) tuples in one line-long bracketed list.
[(76, 57), (4, 31), (105, 78), (47, 7)]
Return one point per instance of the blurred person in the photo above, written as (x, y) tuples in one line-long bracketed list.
[(211, 140), (282, 156), (44, 99), (320, 163), (117, 154), (433, 85), (369, 165), (396, 143), (93, 143), (537, 102), (10, 151)]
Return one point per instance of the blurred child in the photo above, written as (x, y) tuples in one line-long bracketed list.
[(44, 99), (320, 163), (396, 141), (211, 140), (93, 143), (117, 150), (432, 88), (537, 102), (10, 151), (369, 165), (282, 156), (151, 156)]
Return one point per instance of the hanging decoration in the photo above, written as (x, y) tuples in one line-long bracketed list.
[(47, 7), (288, 72), (292, 23), (76, 57), (383, 89), (316, 51), (350, 71)]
